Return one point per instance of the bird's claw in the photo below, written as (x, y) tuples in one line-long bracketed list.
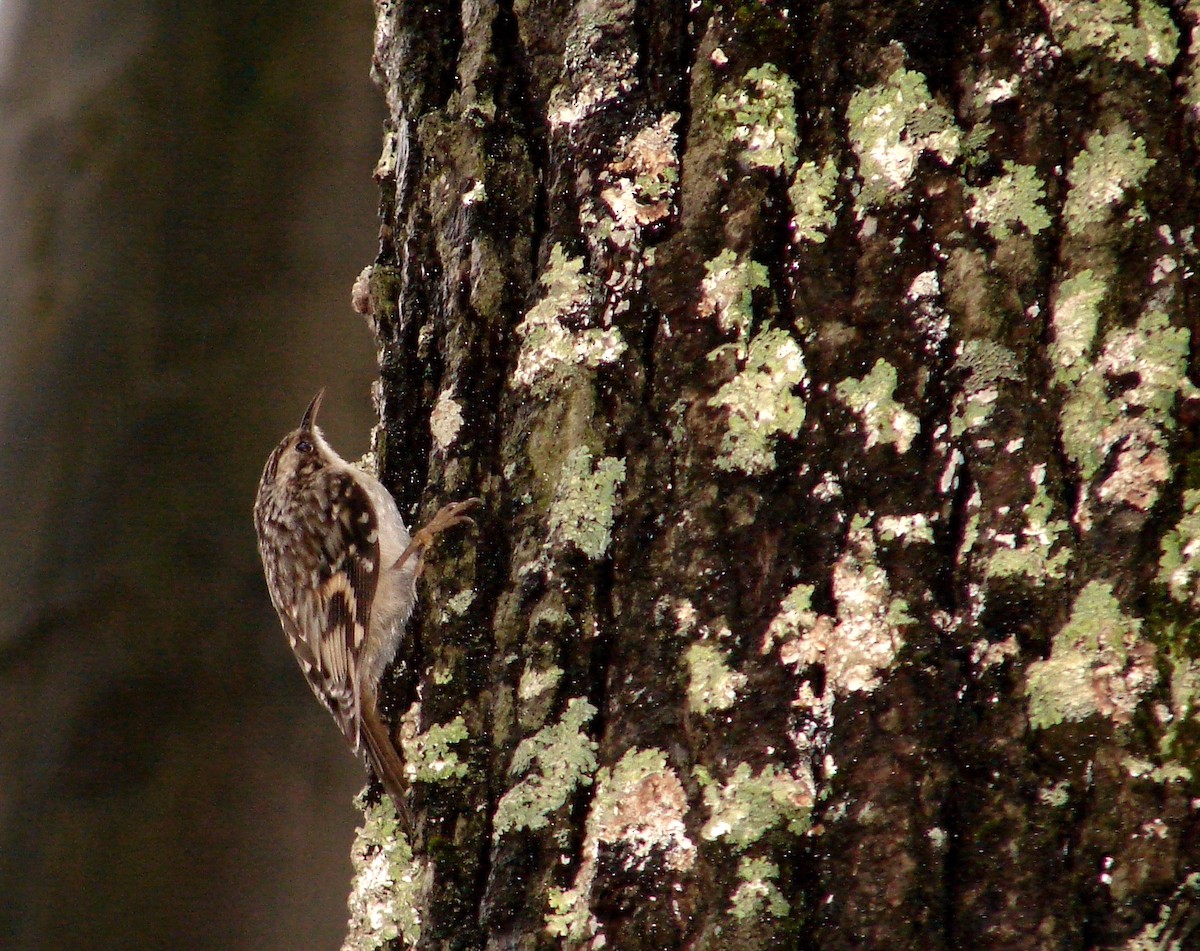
[(447, 517)]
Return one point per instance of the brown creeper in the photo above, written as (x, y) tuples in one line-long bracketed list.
[(342, 571)]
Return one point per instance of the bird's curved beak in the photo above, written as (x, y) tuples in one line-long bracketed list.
[(310, 414)]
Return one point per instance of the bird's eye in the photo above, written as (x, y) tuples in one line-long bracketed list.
[(304, 446)]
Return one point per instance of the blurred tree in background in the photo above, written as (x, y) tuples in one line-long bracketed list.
[(185, 199)]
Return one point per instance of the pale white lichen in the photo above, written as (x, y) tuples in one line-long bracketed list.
[(641, 805), (863, 640), (712, 683), (639, 187), (588, 100), (446, 420), (584, 503), (555, 334), (925, 284), (762, 403), (599, 66), (475, 194), (990, 89), (891, 126), (389, 885), (872, 397), (1098, 664), (908, 529)]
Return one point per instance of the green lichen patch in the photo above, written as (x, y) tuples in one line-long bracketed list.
[(1189, 82), (536, 692), (551, 346), (389, 885), (429, 757), (727, 292), (569, 915), (1031, 554), (457, 606), (551, 764), (1109, 167), (761, 119), (991, 89), (1153, 355), (596, 69), (1013, 198), (758, 895), (1055, 796), (794, 619), (1098, 664), (873, 398), (891, 126), (1157, 354), (1179, 563), (1076, 317), (640, 803), (712, 684), (750, 804), (1168, 932), (1145, 36), (1087, 418), (1139, 768), (1183, 715), (761, 403), (582, 512), (812, 195), (986, 364)]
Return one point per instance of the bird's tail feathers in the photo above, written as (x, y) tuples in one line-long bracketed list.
[(386, 765)]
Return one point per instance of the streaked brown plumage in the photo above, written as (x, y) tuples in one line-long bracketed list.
[(342, 571)]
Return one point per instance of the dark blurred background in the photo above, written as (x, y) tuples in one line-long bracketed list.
[(185, 200)]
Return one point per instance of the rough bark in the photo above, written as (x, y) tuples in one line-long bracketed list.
[(826, 369)]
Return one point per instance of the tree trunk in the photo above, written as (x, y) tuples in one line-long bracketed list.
[(825, 371)]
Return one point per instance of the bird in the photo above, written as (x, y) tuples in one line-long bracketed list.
[(342, 570)]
